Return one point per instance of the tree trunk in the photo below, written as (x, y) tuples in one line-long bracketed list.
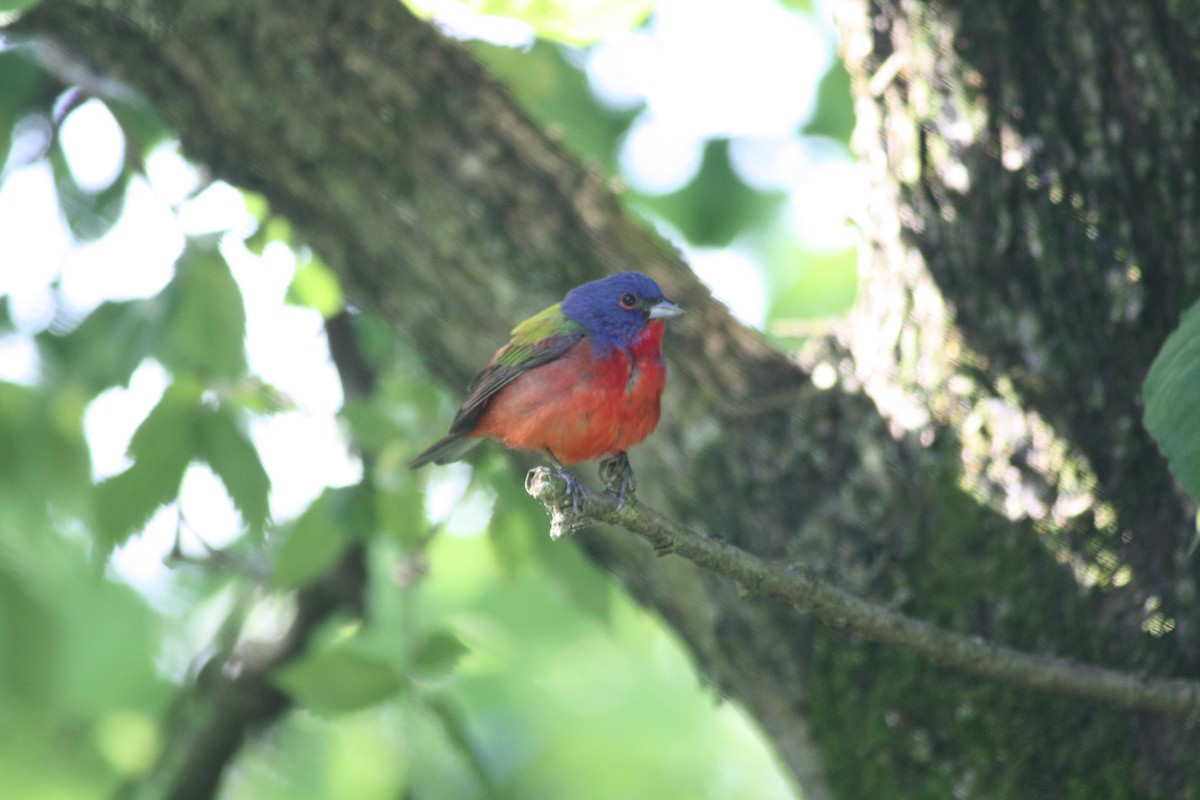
[(980, 464)]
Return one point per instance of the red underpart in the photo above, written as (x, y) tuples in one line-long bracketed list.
[(581, 406)]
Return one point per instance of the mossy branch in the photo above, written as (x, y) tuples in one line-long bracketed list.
[(802, 588)]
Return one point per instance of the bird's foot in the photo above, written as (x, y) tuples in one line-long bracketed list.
[(574, 487), (618, 478)]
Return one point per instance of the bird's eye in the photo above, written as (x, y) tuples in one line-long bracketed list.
[(628, 300)]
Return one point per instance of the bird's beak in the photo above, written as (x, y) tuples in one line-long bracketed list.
[(664, 309)]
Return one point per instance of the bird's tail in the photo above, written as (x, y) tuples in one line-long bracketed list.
[(451, 448)]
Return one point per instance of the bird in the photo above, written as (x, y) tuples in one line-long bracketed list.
[(578, 381)]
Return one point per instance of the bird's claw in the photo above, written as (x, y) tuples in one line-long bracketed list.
[(574, 489), (618, 478)]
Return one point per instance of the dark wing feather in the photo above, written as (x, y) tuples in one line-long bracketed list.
[(513, 360), (538, 340)]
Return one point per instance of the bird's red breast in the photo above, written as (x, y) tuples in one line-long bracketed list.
[(585, 405)]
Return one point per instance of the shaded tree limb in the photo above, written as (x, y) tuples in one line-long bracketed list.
[(804, 589), (244, 699)]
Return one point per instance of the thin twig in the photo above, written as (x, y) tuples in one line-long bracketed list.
[(838, 608)]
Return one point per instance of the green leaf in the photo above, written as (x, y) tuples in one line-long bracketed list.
[(27, 640), (315, 286), (354, 509), (257, 205), (144, 129), (270, 228), (206, 320), (438, 654), (125, 502), (516, 528), (89, 215), (235, 461), (312, 544), (1172, 394), (28, 90), (17, 5), (162, 447), (717, 206), (169, 428), (371, 425), (808, 285), (455, 729), (832, 115), (558, 96), (399, 499), (570, 21), (44, 461), (335, 681), (376, 341), (107, 347), (256, 396)]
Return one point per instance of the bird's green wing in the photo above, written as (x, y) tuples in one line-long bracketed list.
[(542, 338)]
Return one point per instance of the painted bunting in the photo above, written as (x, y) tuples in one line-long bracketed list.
[(579, 381)]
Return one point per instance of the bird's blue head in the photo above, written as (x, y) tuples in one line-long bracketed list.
[(615, 310)]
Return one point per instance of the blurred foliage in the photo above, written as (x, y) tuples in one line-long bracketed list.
[(557, 20), (28, 91), (17, 5), (491, 662), (717, 207), (834, 114), (556, 93)]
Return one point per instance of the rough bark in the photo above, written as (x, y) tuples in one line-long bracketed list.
[(1028, 298), (1032, 239)]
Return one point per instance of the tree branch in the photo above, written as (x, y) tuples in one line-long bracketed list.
[(805, 590), (247, 699)]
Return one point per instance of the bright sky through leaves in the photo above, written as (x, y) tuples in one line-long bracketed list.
[(702, 71), (706, 69)]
